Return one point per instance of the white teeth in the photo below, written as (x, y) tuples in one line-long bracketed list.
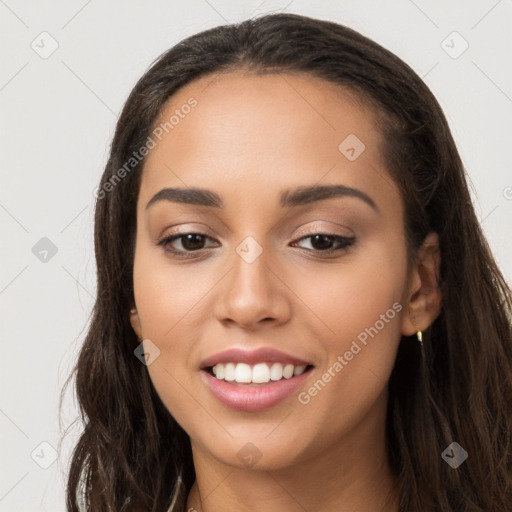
[(260, 373), (220, 371), (243, 373), (229, 370), (288, 371), (298, 370), (276, 371)]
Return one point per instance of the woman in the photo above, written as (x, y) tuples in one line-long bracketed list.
[(296, 306)]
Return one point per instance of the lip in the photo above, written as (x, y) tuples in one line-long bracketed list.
[(260, 355), (256, 397)]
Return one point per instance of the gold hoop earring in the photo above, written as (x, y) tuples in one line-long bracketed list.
[(420, 337)]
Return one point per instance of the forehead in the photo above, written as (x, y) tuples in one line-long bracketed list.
[(264, 131)]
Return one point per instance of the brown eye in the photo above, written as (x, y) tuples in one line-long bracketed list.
[(190, 242), (323, 242)]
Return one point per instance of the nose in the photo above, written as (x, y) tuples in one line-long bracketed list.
[(253, 294)]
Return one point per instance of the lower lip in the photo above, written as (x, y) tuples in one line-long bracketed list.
[(253, 398)]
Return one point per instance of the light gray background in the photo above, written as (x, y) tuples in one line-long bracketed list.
[(58, 116)]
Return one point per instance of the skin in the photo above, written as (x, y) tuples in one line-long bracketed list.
[(249, 138)]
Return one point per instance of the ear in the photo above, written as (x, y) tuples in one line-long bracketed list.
[(423, 299), (135, 321)]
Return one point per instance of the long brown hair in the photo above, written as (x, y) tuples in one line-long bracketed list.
[(133, 454)]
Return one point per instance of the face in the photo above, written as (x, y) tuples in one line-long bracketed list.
[(315, 279)]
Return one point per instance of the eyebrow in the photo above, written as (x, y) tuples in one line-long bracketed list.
[(288, 198)]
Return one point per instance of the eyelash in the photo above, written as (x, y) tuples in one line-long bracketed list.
[(346, 243)]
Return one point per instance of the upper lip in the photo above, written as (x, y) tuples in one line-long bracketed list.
[(263, 354)]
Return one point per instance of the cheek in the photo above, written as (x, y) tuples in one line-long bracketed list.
[(167, 293), (358, 313), (169, 299), (346, 297)]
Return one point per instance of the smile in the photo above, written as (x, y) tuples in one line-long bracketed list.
[(261, 373), (250, 396)]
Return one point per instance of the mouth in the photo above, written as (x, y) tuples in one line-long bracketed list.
[(260, 374), (254, 388)]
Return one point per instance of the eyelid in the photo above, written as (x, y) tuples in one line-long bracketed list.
[(302, 231), (322, 230), (185, 229)]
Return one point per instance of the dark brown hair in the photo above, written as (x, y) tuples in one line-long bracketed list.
[(133, 453)]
